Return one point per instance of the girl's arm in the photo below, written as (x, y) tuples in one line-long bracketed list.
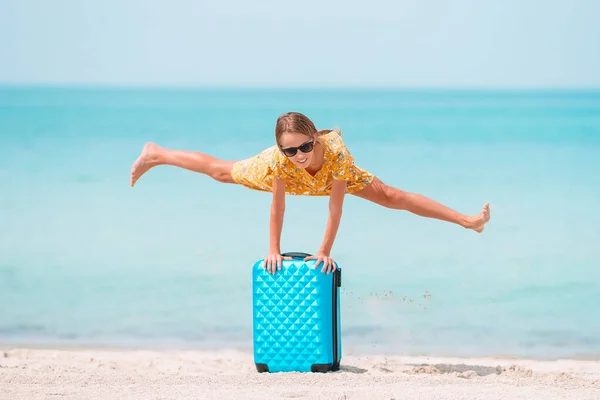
[(336, 201), (273, 259)]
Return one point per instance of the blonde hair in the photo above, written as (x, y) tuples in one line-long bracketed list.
[(295, 122)]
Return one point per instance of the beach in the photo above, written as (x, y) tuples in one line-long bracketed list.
[(113, 292), (103, 373), (110, 290)]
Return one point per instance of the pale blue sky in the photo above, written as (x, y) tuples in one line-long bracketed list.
[(414, 43)]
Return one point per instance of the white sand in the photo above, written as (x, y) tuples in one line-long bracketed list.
[(135, 374)]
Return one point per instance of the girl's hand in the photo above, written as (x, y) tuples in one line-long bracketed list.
[(273, 261), (328, 264)]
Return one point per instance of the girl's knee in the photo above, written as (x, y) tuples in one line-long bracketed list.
[(395, 198)]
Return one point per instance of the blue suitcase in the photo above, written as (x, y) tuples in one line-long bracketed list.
[(296, 317)]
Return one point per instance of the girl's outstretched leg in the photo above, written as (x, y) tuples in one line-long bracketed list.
[(391, 197), (153, 155)]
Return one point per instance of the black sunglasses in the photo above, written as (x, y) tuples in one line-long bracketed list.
[(305, 148)]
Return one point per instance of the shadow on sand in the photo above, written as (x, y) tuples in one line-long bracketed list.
[(352, 370), (460, 368)]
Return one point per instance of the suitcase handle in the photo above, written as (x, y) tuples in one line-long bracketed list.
[(296, 255)]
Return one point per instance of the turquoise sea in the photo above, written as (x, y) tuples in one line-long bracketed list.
[(85, 260)]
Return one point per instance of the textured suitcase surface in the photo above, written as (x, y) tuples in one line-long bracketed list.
[(296, 317)]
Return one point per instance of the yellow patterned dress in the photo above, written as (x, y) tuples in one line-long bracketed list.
[(257, 172)]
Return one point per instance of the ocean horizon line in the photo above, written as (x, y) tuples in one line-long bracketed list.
[(304, 88)]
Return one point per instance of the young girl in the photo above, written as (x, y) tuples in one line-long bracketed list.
[(306, 162)]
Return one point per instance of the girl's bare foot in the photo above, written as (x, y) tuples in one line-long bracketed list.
[(477, 222), (146, 160)]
